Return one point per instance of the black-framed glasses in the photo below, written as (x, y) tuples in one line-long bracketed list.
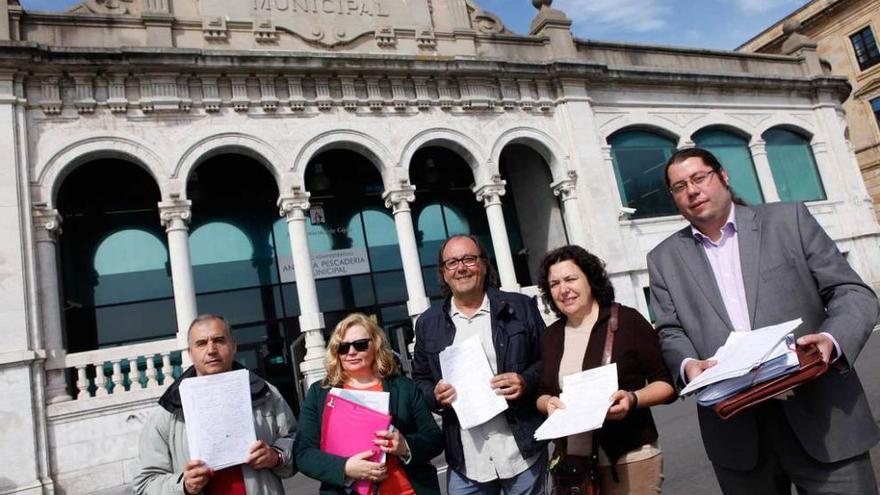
[(697, 179), (359, 345), (453, 263)]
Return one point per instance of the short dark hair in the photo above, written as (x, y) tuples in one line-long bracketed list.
[(491, 279), (708, 158), (208, 317), (590, 264)]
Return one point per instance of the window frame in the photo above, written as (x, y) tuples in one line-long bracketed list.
[(870, 59)]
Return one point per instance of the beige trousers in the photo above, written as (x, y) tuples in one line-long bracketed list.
[(636, 478)]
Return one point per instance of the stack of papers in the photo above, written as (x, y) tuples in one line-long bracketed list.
[(377, 401), (466, 367), (587, 397), (746, 359), (219, 418)]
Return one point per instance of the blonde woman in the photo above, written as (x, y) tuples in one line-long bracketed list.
[(358, 357)]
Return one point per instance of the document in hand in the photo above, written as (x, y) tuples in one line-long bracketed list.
[(377, 401), (782, 361), (349, 428), (219, 417), (587, 397), (743, 352), (466, 367)]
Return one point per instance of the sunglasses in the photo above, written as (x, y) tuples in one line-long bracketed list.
[(359, 346)]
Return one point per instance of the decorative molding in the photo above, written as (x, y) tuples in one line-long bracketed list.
[(50, 95), (47, 223), (605, 118), (264, 31), (214, 28), (399, 199), (491, 193), (295, 205), (385, 37), (425, 39), (680, 119), (175, 214), (566, 188), (753, 120)]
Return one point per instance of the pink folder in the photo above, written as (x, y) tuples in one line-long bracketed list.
[(348, 428)]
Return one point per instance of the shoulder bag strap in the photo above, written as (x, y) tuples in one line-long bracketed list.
[(609, 335)]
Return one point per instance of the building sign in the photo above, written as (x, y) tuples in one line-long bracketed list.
[(328, 264), (326, 22)]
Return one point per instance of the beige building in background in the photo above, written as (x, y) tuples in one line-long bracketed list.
[(846, 34)]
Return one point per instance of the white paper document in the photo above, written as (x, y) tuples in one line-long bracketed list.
[(587, 397), (219, 417), (377, 401), (742, 352), (466, 367)]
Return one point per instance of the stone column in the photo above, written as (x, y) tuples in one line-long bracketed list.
[(758, 148), (311, 320), (566, 190), (490, 194), (175, 216), (399, 201), (47, 228)]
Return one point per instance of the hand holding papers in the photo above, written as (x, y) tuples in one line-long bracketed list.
[(743, 352), (466, 368), (219, 417), (587, 397)]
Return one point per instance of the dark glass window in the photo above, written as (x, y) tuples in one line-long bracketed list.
[(736, 158), (793, 166), (639, 158), (865, 47), (875, 105)]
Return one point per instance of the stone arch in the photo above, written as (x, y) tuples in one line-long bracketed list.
[(51, 173), (352, 140), (802, 128), (228, 142), (717, 123), (539, 141), (456, 141), (639, 122)]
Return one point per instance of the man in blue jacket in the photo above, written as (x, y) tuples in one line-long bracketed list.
[(500, 456)]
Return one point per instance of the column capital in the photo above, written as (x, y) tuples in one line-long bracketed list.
[(819, 147), (175, 214), (491, 192), (566, 188), (758, 147), (48, 224), (399, 199), (294, 204)]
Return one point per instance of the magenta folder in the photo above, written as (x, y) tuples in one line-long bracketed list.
[(348, 428)]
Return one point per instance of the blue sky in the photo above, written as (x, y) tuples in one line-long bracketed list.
[(717, 24)]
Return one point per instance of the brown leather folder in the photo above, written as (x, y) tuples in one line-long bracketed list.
[(811, 367)]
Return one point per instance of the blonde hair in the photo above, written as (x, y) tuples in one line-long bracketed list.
[(384, 364)]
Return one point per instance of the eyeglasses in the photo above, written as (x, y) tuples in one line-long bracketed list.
[(697, 179), (360, 345), (468, 260)]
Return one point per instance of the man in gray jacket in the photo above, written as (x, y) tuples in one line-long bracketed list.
[(735, 268), (166, 467)]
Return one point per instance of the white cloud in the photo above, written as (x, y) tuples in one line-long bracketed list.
[(607, 15), (759, 6)]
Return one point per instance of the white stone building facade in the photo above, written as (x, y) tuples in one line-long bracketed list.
[(116, 97)]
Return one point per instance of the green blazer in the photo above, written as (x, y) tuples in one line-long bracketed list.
[(409, 415)]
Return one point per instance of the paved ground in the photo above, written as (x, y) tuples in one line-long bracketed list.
[(687, 469)]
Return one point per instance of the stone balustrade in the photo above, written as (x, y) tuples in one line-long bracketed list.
[(117, 370)]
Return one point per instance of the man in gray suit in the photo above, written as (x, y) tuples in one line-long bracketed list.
[(735, 268)]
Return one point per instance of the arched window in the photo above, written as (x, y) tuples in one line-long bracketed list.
[(639, 157), (733, 153), (222, 257), (793, 165), (125, 256)]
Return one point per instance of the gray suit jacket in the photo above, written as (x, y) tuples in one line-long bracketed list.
[(791, 269)]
